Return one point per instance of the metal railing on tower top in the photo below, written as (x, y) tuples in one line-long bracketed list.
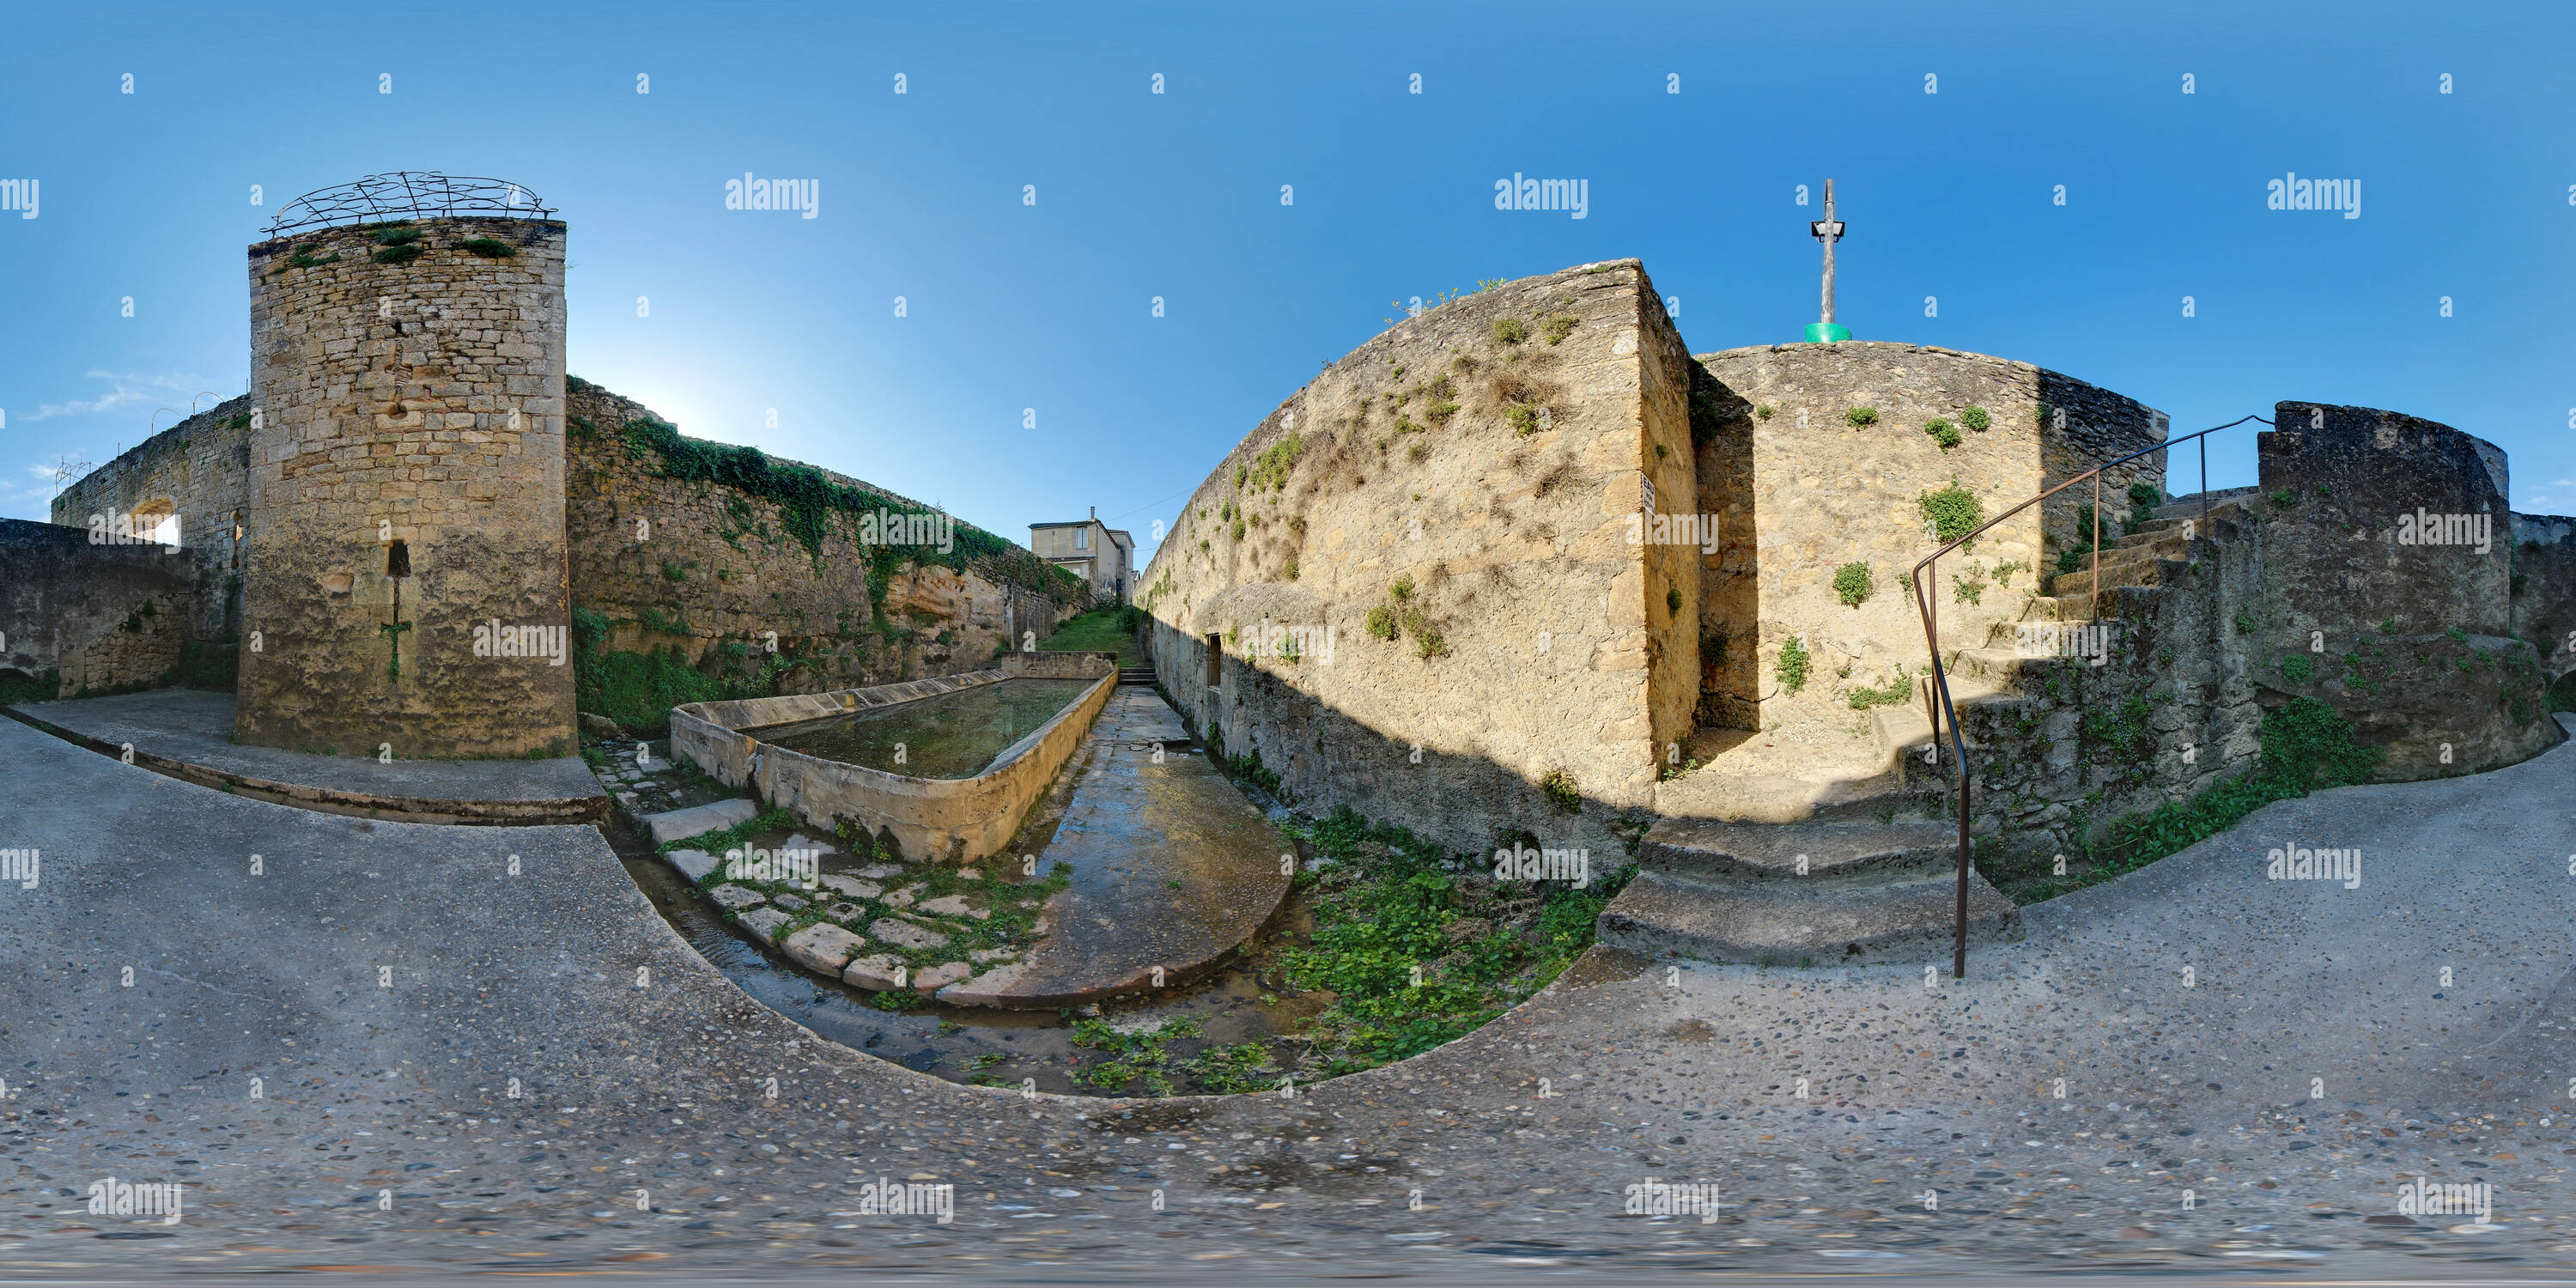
[(1945, 714)]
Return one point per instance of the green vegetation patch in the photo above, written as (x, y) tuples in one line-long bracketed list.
[(1852, 584), (807, 500), (1102, 630), (2307, 746), (1389, 910), (1794, 662), (489, 248), (1953, 512)]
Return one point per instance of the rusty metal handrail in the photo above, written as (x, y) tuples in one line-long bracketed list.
[(1944, 712)]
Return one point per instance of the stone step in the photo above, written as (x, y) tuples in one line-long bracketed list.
[(698, 820), (1786, 924), (1135, 675), (1844, 853), (1781, 798), (2139, 572), (1902, 731)]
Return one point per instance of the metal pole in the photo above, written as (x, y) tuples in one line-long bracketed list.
[(1829, 250), (2096, 611)]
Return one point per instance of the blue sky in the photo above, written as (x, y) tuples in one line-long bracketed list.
[(1048, 306)]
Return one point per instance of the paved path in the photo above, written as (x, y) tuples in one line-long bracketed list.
[(387, 981), (1172, 868), (188, 732)]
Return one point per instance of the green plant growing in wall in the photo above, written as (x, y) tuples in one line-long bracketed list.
[(402, 254), (1382, 622), (1402, 589), (1673, 599), (2244, 624), (2298, 669), (305, 258), (1976, 418), (1900, 689), (488, 248), (1562, 791), (1852, 584), (1953, 512), (1861, 417), (1269, 471), (1942, 432), (1793, 664), (1510, 330), (1967, 588), (1523, 417), (1560, 327), (1764, 412)]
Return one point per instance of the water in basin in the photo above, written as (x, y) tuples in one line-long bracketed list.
[(954, 735)]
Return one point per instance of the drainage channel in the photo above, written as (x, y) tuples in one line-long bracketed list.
[(1092, 1050)]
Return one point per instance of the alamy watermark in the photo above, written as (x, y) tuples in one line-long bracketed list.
[(884, 527), (2423, 528), (2298, 863), (883, 1197), (492, 639), (20, 866), (19, 195), (1522, 863), (791, 866), (2421, 1197), (2089, 642), (804, 196), (1654, 1197), (1518, 193), (1292, 643), (135, 528), (112, 1197), (2294, 193)]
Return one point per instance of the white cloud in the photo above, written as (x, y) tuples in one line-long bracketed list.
[(128, 389)]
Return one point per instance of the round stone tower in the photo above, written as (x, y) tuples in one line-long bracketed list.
[(405, 583)]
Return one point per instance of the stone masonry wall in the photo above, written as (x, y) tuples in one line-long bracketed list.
[(414, 399), (103, 616), (2411, 640), (1801, 492), (200, 470), (1465, 481), (711, 565), (2544, 597)]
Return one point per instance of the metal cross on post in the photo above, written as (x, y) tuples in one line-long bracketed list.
[(1827, 230)]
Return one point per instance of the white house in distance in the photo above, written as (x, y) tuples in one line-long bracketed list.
[(1101, 555)]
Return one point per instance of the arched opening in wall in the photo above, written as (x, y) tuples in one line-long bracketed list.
[(156, 522)]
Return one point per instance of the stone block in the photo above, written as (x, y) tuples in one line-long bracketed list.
[(823, 947), (693, 864), (698, 820), (765, 923)]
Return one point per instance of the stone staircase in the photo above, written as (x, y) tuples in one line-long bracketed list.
[(1720, 874), (1136, 675)]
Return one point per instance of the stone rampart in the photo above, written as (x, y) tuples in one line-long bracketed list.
[(95, 616), (1425, 578), (198, 470), (700, 565)]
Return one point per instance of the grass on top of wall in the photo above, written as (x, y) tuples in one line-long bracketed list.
[(1101, 630)]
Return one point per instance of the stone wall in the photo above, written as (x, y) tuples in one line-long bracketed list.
[(198, 469), (2410, 639), (98, 616), (1465, 481), (1801, 491), (2544, 588), (698, 565), (406, 405)]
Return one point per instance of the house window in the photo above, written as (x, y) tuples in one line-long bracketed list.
[(1082, 538)]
